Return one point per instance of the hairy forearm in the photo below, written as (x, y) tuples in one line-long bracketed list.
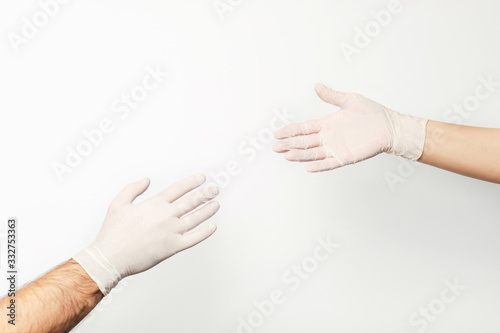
[(469, 151), (56, 302)]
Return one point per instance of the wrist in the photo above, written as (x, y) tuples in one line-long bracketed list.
[(408, 135), (98, 267), (85, 281)]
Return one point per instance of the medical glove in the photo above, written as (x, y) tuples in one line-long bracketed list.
[(137, 236), (361, 129)]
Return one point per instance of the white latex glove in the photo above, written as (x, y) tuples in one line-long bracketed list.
[(361, 129), (136, 237)]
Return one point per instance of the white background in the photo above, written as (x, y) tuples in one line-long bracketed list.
[(226, 76)]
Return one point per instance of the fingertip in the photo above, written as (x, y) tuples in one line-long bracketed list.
[(291, 156), (312, 168), (212, 209), (199, 235), (278, 147), (278, 135), (216, 205), (319, 86), (200, 178), (213, 191), (321, 91), (133, 190), (146, 181), (212, 227)]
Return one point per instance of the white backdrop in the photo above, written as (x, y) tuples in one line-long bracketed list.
[(229, 72)]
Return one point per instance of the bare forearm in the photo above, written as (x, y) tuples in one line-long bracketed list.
[(56, 302), (469, 151)]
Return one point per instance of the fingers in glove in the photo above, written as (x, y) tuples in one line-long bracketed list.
[(178, 189), (313, 154), (199, 216), (193, 200), (198, 235), (324, 165), (298, 142), (305, 128), (334, 97), (133, 190)]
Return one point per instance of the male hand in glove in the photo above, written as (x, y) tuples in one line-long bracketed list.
[(134, 237), (363, 128)]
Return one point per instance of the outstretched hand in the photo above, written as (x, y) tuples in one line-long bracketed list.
[(360, 130), (136, 237)]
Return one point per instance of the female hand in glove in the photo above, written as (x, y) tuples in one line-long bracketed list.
[(363, 128)]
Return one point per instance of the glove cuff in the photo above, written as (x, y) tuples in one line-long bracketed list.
[(409, 135), (98, 268)]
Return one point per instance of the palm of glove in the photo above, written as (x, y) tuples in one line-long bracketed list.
[(360, 130)]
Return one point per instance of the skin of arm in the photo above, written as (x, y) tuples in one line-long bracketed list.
[(163, 224), (67, 291), (465, 150), (363, 128)]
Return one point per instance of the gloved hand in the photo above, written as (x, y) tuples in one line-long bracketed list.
[(136, 237), (360, 130)]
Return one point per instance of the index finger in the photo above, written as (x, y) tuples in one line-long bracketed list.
[(178, 189), (304, 128)]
